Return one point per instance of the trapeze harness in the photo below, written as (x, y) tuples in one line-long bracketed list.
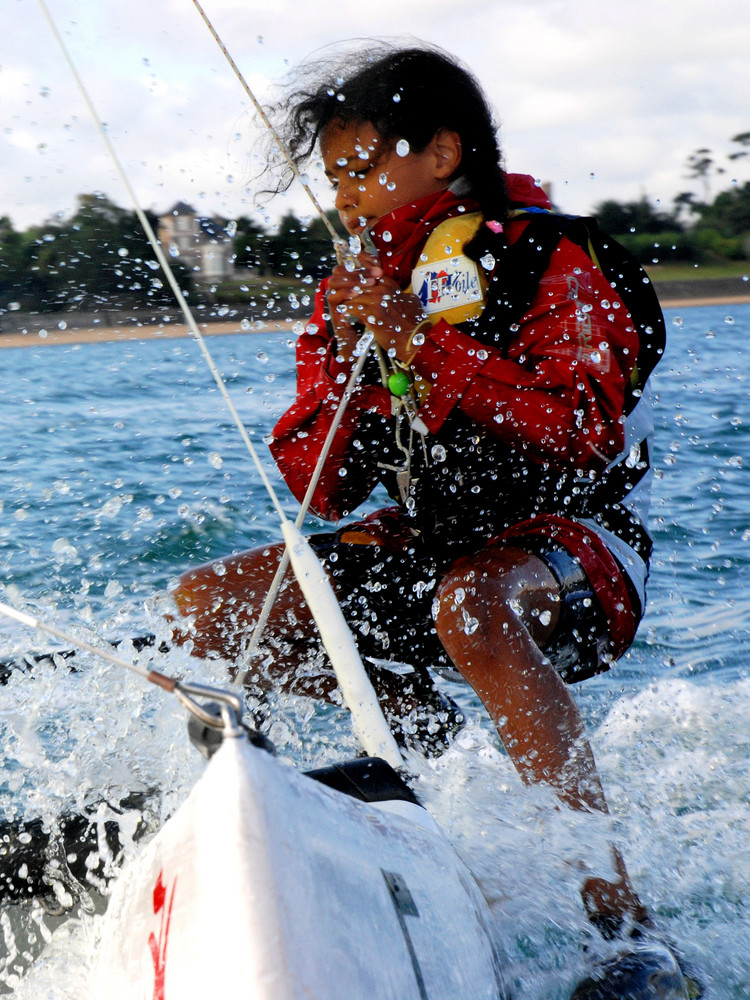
[(499, 290)]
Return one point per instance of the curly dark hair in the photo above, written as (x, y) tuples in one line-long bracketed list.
[(405, 93)]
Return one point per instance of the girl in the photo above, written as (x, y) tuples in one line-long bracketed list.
[(500, 400)]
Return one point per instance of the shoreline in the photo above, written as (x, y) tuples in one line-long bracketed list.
[(173, 331), (685, 301), (129, 332)]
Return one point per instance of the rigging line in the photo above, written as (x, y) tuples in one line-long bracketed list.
[(267, 122), (183, 690), (362, 347), (165, 266), (343, 253), (346, 254), (31, 621), (359, 695)]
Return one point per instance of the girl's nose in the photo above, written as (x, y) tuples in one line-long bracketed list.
[(346, 194)]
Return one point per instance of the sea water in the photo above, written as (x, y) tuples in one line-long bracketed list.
[(120, 467)]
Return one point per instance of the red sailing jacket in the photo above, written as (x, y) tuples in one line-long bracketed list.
[(554, 395)]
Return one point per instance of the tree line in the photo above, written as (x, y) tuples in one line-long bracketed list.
[(100, 258), (699, 227)]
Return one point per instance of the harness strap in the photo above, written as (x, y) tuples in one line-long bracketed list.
[(515, 282), (607, 493), (522, 264)]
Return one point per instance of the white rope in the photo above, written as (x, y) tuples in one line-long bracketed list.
[(273, 590), (36, 623), (367, 716), (160, 256), (267, 122)]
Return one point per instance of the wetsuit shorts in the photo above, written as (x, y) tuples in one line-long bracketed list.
[(386, 596)]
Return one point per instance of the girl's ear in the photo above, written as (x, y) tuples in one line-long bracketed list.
[(446, 146)]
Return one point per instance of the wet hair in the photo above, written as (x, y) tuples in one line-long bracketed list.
[(405, 93)]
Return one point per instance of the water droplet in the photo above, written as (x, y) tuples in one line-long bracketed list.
[(438, 452), (387, 236), (215, 460), (262, 357), (470, 624), (123, 252), (487, 262), (111, 507), (402, 147)]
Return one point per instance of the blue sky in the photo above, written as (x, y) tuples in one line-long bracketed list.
[(603, 98)]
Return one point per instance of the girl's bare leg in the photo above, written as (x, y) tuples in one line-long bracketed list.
[(495, 610), (221, 602)]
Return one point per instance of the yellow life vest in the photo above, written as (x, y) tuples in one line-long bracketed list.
[(449, 284)]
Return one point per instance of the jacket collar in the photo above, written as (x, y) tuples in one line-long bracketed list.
[(400, 235)]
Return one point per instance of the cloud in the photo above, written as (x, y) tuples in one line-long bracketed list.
[(604, 100)]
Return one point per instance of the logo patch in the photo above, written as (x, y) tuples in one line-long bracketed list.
[(446, 285)]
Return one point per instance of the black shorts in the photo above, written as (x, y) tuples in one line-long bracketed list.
[(386, 597)]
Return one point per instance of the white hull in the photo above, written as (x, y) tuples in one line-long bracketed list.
[(267, 882)]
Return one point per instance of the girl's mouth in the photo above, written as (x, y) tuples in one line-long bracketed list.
[(356, 226)]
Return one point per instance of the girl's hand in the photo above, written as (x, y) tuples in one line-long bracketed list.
[(366, 295)]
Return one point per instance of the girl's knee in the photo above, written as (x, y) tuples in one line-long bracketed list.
[(467, 598), (500, 587)]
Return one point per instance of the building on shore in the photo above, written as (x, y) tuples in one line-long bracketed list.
[(202, 245)]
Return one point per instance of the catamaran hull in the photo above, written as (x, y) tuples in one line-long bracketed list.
[(266, 881)]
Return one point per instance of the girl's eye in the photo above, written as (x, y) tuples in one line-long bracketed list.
[(361, 174)]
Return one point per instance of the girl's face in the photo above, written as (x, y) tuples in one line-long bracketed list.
[(371, 177)]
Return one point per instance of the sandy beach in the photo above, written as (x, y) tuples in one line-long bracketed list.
[(165, 331), (686, 302), (170, 331)]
